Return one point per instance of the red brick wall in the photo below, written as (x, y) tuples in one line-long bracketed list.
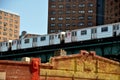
[(17, 70)]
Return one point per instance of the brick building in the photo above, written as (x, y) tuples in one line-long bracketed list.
[(75, 14), (9, 25), (112, 11)]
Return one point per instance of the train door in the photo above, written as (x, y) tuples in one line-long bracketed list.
[(9, 45), (116, 30), (68, 37), (34, 43), (61, 36), (0, 47), (18, 44), (14, 45), (93, 33), (74, 36), (51, 39)]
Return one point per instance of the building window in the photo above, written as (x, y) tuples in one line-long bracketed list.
[(5, 24), (60, 12), (4, 33), (68, 0), (53, 12), (0, 17), (15, 36), (90, 5), (11, 20), (52, 19), (90, 11), (60, 18), (61, 6), (53, 6), (81, 12), (60, 0), (16, 21), (67, 12), (0, 22), (67, 25), (81, 17), (53, 0), (90, 17), (16, 26), (80, 23), (6, 14), (59, 30), (5, 29), (60, 25), (67, 18), (90, 23), (73, 6), (83, 32), (73, 12), (6, 19), (104, 29), (73, 18), (67, 5), (0, 27), (15, 31), (52, 25), (52, 31), (81, 5), (73, 24)]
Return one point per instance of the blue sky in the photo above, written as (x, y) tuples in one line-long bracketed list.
[(33, 14)]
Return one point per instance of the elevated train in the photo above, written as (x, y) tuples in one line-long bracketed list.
[(95, 32)]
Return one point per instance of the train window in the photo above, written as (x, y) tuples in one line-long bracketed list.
[(43, 38), (104, 29), (83, 32), (26, 41), (34, 39)]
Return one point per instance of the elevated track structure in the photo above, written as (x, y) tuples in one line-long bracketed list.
[(106, 47)]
